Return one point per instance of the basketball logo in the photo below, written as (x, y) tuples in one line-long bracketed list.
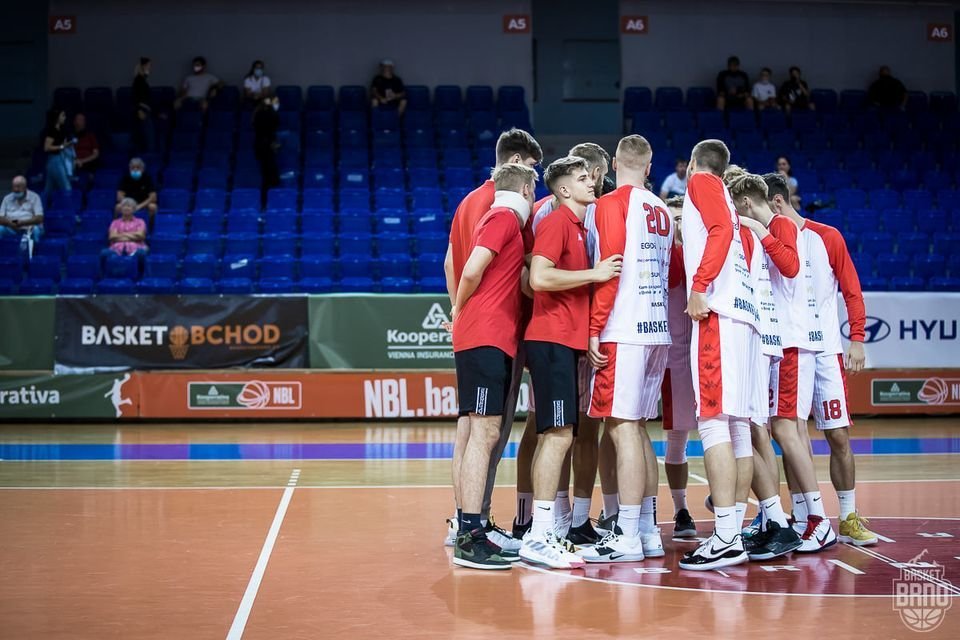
[(254, 395), (934, 391), (179, 342)]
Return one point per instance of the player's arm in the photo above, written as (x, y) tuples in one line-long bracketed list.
[(779, 240), (849, 282), (545, 276), (477, 263), (706, 193), (449, 275)]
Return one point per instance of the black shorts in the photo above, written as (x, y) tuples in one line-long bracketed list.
[(483, 380), (553, 371)]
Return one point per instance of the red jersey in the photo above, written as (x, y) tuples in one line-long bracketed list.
[(491, 317), (562, 317), (468, 214)]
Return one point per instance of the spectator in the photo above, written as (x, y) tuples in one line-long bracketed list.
[(54, 143), (256, 85), (87, 148), (886, 91), (764, 91), (784, 168), (138, 185), (676, 183), (265, 145), (200, 86), (21, 212), (733, 87), (143, 126), (387, 89), (794, 93), (127, 233)]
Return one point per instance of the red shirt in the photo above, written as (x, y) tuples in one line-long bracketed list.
[(562, 317), (491, 316), (468, 214), (86, 145)]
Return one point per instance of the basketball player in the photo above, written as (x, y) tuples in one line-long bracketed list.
[(486, 330), (725, 343), (629, 338), (560, 275), (513, 146), (832, 271)]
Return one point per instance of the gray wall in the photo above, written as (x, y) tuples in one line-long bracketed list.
[(302, 42), (838, 45)]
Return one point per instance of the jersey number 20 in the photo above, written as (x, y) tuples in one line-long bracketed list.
[(657, 220)]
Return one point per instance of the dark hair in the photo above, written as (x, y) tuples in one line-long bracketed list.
[(777, 186), (562, 167), (787, 158), (254, 66), (795, 68), (200, 59), (53, 117), (517, 141), (675, 201), (144, 60), (733, 60), (713, 155), (679, 160), (767, 69)]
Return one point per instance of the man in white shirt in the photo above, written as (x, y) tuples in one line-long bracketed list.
[(765, 92), (200, 86), (21, 212), (676, 183)]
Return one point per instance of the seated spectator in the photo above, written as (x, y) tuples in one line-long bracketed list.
[(794, 93), (138, 185), (87, 147), (256, 84), (676, 183), (886, 91), (733, 87), (764, 91), (21, 212), (200, 86), (128, 234), (387, 89), (784, 169)]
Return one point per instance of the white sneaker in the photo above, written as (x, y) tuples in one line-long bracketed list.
[(499, 537), (548, 551), (614, 548), (715, 553), (818, 536), (452, 529), (561, 526), (652, 544)]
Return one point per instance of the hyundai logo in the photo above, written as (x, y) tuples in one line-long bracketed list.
[(874, 328)]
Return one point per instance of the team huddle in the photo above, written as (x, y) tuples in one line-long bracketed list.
[(721, 303)]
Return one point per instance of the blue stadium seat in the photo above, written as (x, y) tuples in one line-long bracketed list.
[(37, 287), (353, 265), (944, 284), (832, 217), (276, 285), (353, 98), (240, 286), (356, 285), (206, 222), (432, 243), (390, 199), (429, 222), (157, 286), (321, 98), (355, 222), (210, 200), (946, 243), (397, 285), (943, 102), (847, 198), (701, 99), (635, 99), (221, 122), (245, 200), (931, 221), (742, 120), (171, 223), (76, 286), (196, 286), (447, 98), (162, 266), (907, 283), (291, 97), (200, 265), (480, 98), (913, 243), (890, 265), (316, 285), (277, 267), (318, 244), (393, 243), (318, 199), (396, 265), (280, 199), (929, 265), (430, 265), (668, 98), (919, 200), (852, 100), (874, 283), (121, 267), (935, 180), (884, 199), (432, 284), (357, 243), (116, 286), (877, 242), (44, 268), (280, 244), (772, 120), (53, 247), (316, 266), (239, 265), (825, 99), (312, 222), (177, 178), (870, 179), (863, 263), (861, 220), (204, 243)]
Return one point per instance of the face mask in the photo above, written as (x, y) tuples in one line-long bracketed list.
[(197, 68), (19, 195), (136, 174), (258, 73), (276, 107)]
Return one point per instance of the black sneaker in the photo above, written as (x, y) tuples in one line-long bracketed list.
[(684, 526), (474, 550), (520, 530), (715, 553), (776, 541), (585, 534), (607, 524)]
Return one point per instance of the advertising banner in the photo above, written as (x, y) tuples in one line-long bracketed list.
[(380, 332), (907, 329), (81, 396), (110, 333), (26, 342)]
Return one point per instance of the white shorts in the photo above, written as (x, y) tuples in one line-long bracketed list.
[(830, 403), (763, 399), (724, 356), (791, 384), (584, 382), (629, 386), (679, 405)]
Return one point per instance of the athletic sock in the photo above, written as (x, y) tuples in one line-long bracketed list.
[(469, 522), (629, 520), (848, 502), (542, 518), (562, 505), (524, 508), (611, 504), (814, 504), (648, 514), (772, 510), (740, 510), (679, 499), (581, 511), (726, 522), (799, 507)]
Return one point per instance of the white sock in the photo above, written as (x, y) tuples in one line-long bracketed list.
[(740, 510), (799, 507), (814, 504), (648, 514), (679, 499), (772, 509), (848, 502), (542, 518), (726, 522), (581, 510), (562, 505), (524, 507), (629, 520), (611, 504)]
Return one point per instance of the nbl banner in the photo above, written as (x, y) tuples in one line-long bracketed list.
[(110, 333)]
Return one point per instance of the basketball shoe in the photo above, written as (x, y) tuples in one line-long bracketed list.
[(615, 547), (652, 543), (499, 537), (715, 553), (548, 550), (683, 525), (520, 530), (776, 541), (754, 527), (853, 531), (475, 550), (584, 534), (452, 528), (818, 536)]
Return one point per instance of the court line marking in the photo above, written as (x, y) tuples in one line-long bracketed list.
[(703, 480), (943, 584), (883, 538), (846, 567), (246, 603)]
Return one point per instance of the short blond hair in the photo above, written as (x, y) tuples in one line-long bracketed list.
[(675, 202), (594, 154), (634, 152), (513, 177), (732, 174), (712, 155), (749, 185)]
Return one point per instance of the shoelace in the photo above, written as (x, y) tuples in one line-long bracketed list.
[(811, 527), (859, 523)]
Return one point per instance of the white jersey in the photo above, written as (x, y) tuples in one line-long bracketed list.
[(833, 271), (633, 310), (548, 205), (794, 296), (765, 275), (731, 293)]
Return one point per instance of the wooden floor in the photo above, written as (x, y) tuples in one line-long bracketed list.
[(335, 531)]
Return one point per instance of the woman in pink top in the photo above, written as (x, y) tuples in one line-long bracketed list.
[(128, 233)]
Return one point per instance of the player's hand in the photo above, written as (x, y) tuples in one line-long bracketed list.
[(597, 359), (453, 316), (697, 306), (755, 226), (856, 357), (608, 269)]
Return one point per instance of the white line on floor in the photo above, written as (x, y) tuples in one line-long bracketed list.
[(846, 567), (883, 538), (246, 604), (703, 480)]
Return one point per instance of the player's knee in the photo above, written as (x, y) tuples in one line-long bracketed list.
[(676, 447), (742, 443), (838, 439), (713, 432)]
